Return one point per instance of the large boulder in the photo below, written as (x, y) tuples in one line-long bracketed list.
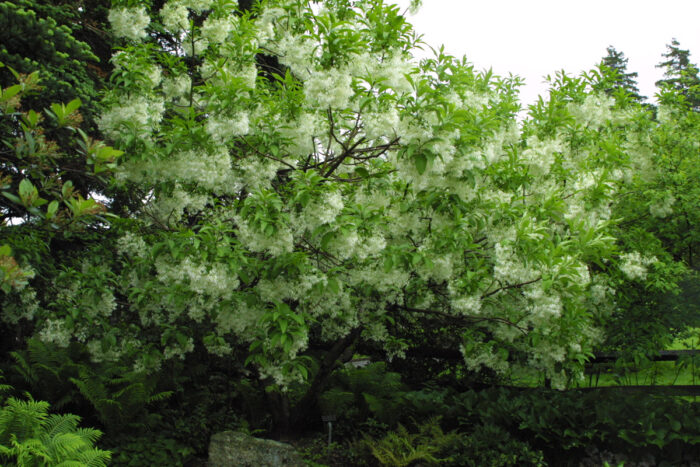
[(236, 449)]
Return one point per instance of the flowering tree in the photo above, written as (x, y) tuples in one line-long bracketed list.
[(300, 182)]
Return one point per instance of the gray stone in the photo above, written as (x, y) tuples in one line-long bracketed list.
[(236, 449)]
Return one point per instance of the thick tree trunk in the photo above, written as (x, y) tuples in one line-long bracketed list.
[(281, 415), (305, 410)]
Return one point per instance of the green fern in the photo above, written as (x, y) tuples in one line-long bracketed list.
[(29, 436), (400, 448), (118, 395), (363, 392), (117, 405)]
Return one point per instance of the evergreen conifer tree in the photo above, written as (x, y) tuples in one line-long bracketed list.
[(680, 74), (616, 60)]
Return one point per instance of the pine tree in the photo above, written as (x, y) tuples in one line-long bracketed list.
[(680, 74), (616, 61)]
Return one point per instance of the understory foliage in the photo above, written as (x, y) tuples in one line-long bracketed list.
[(283, 185), (30, 436)]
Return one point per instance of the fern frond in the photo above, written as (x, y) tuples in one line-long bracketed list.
[(24, 368), (161, 396), (28, 451), (64, 445), (94, 458), (71, 463), (22, 419), (90, 435), (57, 424)]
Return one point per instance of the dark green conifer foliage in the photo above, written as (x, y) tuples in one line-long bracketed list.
[(680, 74), (50, 37), (616, 60)]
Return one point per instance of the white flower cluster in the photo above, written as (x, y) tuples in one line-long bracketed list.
[(176, 87), (345, 245), (200, 5), (281, 242), (22, 305), (210, 170), (222, 74), (323, 211), (130, 23), (224, 128), (297, 52), (394, 70), (175, 16), (663, 207), (168, 209), (132, 245), (540, 155), (371, 247), (216, 30), (634, 265), (55, 331), (595, 110), (265, 24), (509, 268), (383, 124), (468, 306), (300, 133), (139, 113), (194, 46), (256, 173), (329, 88), (543, 306)]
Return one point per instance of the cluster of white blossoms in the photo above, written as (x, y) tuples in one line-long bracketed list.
[(298, 53), (211, 279), (540, 155), (175, 16), (595, 110), (244, 73), (137, 113), (195, 45), (216, 30), (130, 23), (224, 128), (177, 87), (25, 306), (329, 89), (56, 332), (509, 268), (167, 209), (634, 265), (323, 210), (663, 207), (301, 133), (468, 306), (379, 125), (250, 237), (266, 25)]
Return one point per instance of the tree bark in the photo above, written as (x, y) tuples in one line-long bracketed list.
[(304, 410)]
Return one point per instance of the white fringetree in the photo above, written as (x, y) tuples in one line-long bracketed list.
[(302, 182)]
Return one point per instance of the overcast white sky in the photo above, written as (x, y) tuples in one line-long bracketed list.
[(533, 38)]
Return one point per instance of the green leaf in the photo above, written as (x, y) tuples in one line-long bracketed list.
[(421, 162), (333, 285), (67, 189), (676, 425), (12, 197)]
